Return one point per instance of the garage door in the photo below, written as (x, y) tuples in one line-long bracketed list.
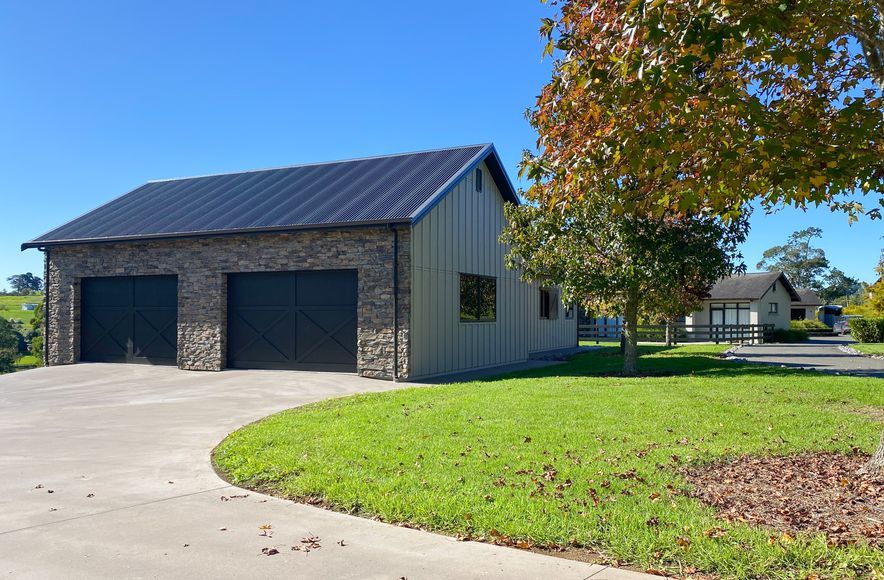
[(132, 319), (292, 320)]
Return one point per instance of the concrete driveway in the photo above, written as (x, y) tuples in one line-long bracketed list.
[(105, 472), (819, 353)]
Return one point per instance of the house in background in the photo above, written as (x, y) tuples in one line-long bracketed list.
[(755, 298), (388, 266), (28, 306), (806, 307)]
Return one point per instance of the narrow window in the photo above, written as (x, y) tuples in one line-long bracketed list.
[(479, 179), (478, 298), (774, 308), (544, 303), (548, 308), (569, 312)]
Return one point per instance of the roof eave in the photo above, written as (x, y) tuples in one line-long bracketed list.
[(488, 152), (37, 243), (793, 294)]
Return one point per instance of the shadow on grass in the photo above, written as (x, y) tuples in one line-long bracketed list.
[(654, 361)]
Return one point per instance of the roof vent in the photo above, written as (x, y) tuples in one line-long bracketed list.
[(479, 183)]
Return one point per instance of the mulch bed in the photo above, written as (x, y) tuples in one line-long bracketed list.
[(810, 492)]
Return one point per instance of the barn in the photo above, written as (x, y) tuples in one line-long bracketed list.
[(388, 266)]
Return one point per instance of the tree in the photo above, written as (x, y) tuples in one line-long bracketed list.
[(35, 338), (704, 107), (803, 264), (9, 346), (714, 104), (25, 283), (838, 285), (623, 264), (876, 291)]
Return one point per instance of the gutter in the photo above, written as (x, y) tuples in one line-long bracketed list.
[(215, 233)]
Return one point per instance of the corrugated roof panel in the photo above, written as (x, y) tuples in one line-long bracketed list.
[(385, 189)]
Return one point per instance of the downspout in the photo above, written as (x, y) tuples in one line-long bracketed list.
[(395, 303), (45, 307)]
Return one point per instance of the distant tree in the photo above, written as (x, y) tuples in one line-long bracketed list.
[(35, 337), (838, 285), (803, 264), (25, 283), (876, 290), (623, 264), (9, 346)]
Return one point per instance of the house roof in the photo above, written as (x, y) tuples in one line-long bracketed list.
[(808, 297), (388, 189), (750, 286)]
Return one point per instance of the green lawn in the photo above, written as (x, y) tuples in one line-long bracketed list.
[(870, 348), (10, 308), (27, 360), (557, 456)]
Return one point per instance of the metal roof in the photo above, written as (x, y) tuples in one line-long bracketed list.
[(387, 189), (750, 286)]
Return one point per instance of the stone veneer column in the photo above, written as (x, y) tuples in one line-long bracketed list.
[(202, 319)]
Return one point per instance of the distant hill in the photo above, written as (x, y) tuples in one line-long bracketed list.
[(11, 308)]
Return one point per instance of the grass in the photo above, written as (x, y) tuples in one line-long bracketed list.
[(27, 360), (869, 348), (10, 308), (528, 454)]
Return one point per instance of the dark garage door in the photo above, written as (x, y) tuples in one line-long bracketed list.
[(292, 320), (131, 319)]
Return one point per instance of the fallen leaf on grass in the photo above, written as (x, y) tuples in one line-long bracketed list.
[(715, 532)]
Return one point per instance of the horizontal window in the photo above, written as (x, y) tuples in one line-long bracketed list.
[(478, 298), (729, 313)]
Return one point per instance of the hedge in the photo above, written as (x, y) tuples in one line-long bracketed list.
[(867, 329), (809, 324)]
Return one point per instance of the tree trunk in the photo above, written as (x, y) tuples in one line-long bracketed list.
[(668, 333), (876, 463), (630, 332)]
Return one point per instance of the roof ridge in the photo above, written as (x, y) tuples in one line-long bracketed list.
[(316, 163)]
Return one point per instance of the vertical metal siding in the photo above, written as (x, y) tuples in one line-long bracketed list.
[(461, 235)]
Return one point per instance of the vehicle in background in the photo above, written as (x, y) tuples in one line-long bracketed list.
[(842, 324), (829, 313)]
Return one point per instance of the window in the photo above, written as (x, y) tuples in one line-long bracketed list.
[(478, 298), (733, 313), (569, 312), (548, 304), (774, 308), (479, 179)]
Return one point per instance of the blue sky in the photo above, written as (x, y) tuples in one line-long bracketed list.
[(98, 97)]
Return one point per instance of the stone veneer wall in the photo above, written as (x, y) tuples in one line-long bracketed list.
[(201, 265)]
